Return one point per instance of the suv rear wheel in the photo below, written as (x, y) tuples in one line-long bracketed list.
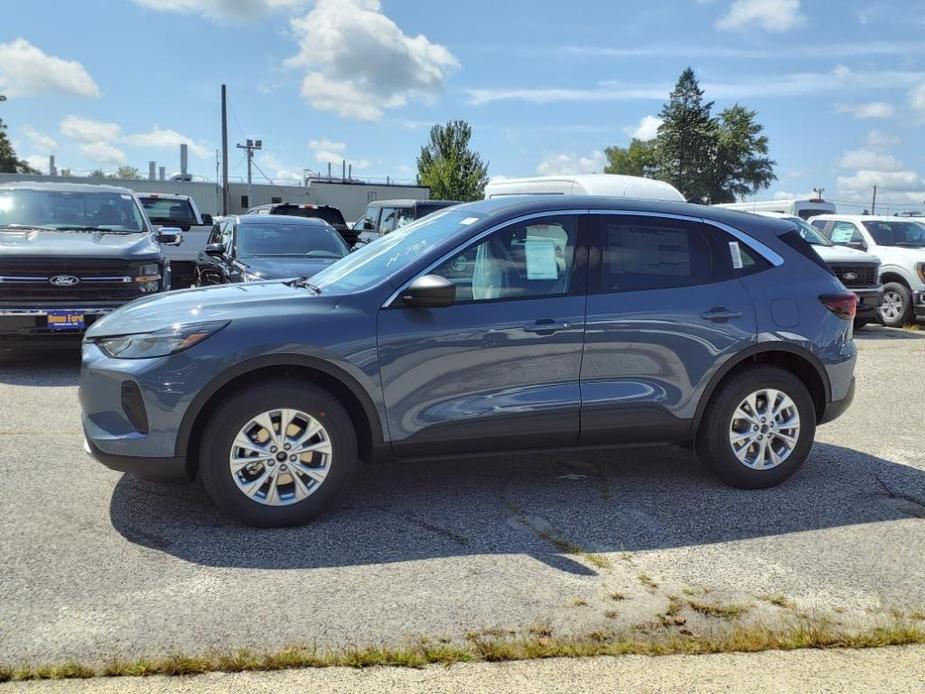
[(758, 428), (896, 305), (277, 454)]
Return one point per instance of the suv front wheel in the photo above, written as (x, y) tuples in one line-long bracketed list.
[(896, 305), (758, 428), (277, 454)]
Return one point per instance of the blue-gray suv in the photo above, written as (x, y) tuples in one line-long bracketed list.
[(508, 324)]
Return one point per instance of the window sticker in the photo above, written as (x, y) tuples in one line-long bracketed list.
[(541, 259), (736, 253), (469, 220)]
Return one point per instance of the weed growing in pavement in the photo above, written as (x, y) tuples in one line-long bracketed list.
[(718, 611), (778, 601)]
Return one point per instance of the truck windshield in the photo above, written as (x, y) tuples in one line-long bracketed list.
[(289, 240), (909, 234), (66, 210), (169, 212), (390, 253)]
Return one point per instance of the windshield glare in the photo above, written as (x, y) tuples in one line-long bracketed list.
[(52, 209), (897, 233), (809, 233), (289, 240), (389, 253)]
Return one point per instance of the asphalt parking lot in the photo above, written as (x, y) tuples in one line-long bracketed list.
[(97, 565)]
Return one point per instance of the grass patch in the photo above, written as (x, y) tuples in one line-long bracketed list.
[(610, 614), (567, 547), (617, 596), (580, 603), (718, 611), (488, 647), (647, 581), (779, 601)]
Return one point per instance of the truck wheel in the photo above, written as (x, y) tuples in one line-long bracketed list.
[(896, 305), (277, 454), (758, 428)]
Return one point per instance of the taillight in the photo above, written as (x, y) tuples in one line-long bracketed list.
[(842, 305)]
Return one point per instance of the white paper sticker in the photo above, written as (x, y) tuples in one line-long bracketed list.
[(541, 259), (469, 220), (125, 197), (736, 254)]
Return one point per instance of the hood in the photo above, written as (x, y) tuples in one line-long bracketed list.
[(222, 302), (843, 254), (77, 244), (283, 268), (900, 254)]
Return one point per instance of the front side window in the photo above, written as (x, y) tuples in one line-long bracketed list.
[(845, 232), (65, 210), (523, 260), (809, 233), (903, 234), (227, 233), (389, 220)]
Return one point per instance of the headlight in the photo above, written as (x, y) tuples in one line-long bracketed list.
[(159, 343), (920, 268), (149, 277)]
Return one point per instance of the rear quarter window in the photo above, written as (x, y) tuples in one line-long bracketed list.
[(793, 239)]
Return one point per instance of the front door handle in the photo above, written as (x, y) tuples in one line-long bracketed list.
[(720, 314), (546, 326)]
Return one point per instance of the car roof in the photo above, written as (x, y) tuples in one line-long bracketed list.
[(166, 196), (66, 187), (595, 184), (409, 202), (250, 219)]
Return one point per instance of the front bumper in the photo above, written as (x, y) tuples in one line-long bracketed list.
[(32, 321), (918, 303), (869, 301), (152, 469)]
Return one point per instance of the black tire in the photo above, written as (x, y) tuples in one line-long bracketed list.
[(861, 323), (229, 418), (902, 293), (713, 447)]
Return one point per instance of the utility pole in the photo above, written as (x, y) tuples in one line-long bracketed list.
[(251, 146), (224, 151), (873, 204)]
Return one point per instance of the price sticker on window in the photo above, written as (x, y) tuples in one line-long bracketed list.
[(735, 252)]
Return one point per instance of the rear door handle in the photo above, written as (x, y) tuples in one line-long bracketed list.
[(546, 326), (720, 313)]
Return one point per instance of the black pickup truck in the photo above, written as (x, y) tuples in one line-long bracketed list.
[(71, 253)]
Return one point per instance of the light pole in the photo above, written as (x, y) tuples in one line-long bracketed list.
[(251, 147)]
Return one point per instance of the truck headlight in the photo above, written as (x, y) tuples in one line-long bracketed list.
[(920, 269), (159, 343), (149, 278)]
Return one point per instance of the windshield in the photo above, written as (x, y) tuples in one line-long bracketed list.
[(165, 211), (909, 234), (809, 233), (54, 209), (289, 240), (389, 253)]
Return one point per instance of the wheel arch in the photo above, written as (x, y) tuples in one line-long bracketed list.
[(893, 276), (358, 403), (799, 361)]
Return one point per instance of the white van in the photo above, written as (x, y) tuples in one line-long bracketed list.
[(613, 185), (795, 208)]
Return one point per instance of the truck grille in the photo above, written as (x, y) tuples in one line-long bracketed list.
[(31, 280), (857, 275)]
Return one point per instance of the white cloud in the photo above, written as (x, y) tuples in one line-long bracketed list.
[(42, 142), (786, 195), (332, 152), (866, 168), (88, 130), (27, 71), (236, 10), (159, 138), (771, 15), (39, 162), (359, 62), (878, 138), (102, 152), (567, 164), (277, 170), (871, 109), (840, 78), (917, 99), (868, 159), (646, 129)]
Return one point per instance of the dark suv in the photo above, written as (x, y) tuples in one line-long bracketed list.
[(328, 213), (506, 324)]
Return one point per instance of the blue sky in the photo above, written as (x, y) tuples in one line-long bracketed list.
[(839, 85)]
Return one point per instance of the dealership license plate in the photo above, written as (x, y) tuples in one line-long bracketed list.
[(65, 320)]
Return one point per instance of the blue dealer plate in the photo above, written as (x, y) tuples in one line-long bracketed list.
[(65, 320)]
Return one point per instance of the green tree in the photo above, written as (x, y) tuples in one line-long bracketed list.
[(9, 162), (127, 172), (686, 138), (741, 165), (449, 167), (639, 159)]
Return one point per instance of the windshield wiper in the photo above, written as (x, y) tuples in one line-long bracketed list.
[(22, 226), (303, 282), (86, 228)]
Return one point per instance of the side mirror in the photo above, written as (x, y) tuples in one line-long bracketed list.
[(207, 220), (429, 291), (368, 225), (216, 250), (169, 236)]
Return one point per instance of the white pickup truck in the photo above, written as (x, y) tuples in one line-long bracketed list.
[(181, 211)]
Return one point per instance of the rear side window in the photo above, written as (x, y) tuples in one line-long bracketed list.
[(640, 253), (793, 239)]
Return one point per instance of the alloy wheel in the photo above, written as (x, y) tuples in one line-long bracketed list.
[(765, 428), (891, 306), (280, 457)]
